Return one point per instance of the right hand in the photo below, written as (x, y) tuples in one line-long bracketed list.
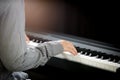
[(27, 39), (68, 46)]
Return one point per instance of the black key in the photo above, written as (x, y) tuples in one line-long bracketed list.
[(83, 52), (38, 40), (78, 49), (102, 55), (93, 53), (118, 62), (33, 40), (81, 49), (99, 55), (87, 52), (117, 59), (111, 58), (105, 56)]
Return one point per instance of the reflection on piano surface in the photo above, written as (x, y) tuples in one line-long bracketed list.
[(90, 53)]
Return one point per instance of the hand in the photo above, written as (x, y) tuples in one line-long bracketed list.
[(68, 46), (27, 39)]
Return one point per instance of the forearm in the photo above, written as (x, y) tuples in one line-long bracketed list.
[(37, 56)]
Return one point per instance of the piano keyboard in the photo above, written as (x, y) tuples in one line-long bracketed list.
[(102, 58)]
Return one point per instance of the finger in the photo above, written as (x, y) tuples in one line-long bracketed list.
[(74, 49), (27, 39), (27, 42), (72, 52), (71, 49)]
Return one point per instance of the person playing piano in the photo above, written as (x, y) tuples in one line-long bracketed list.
[(15, 55)]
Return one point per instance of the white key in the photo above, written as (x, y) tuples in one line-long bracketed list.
[(33, 40), (31, 43), (90, 54), (37, 41), (40, 41), (91, 61), (85, 53)]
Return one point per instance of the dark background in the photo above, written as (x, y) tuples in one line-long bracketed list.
[(94, 20)]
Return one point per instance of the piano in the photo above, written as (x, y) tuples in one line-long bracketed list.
[(97, 55), (89, 53), (94, 57)]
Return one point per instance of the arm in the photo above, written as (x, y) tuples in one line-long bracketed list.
[(14, 53)]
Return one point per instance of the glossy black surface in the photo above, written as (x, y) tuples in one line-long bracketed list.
[(63, 69)]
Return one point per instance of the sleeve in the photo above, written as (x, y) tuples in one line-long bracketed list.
[(15, 55), (39, 55)]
